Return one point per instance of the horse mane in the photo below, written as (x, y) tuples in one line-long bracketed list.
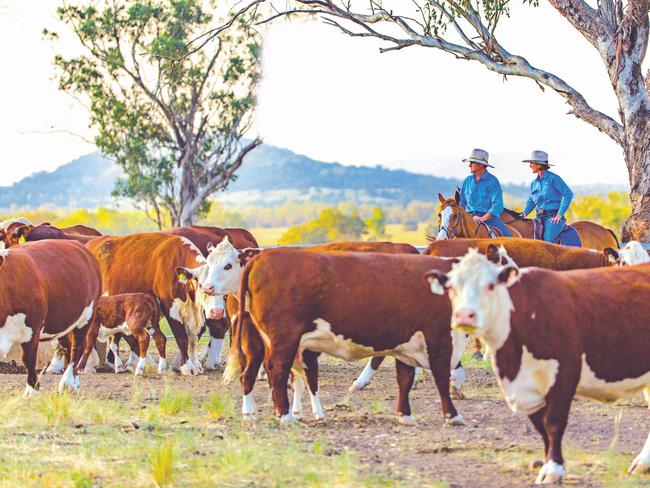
[(516, 215)]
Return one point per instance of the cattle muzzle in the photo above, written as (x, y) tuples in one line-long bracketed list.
[(217, 313), (465, 321)]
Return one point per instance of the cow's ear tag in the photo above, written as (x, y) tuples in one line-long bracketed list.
[(22, 240), (182, 279)]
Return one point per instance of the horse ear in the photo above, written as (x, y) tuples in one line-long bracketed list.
[(441, 198), (457, 196)]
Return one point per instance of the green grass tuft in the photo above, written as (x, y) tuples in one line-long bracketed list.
[(173, 402), (55, 408), (162, 462), (220, 407)]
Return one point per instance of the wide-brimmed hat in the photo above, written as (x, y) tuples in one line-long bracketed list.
[(540, 157), (479, 156)]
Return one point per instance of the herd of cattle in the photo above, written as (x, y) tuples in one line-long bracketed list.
[(558, 321)]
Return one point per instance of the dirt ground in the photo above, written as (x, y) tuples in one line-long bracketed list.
[(495, 449)]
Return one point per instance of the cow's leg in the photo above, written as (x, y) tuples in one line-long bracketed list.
[(641, 463), (161, 345), (537, 420), (57, 364), (298, 385), (405, 376), (134, 351), (310, 360), (142, 336), (418, 377), (558, 404), (180, 334), (441, 370), (70, 380), (30, 352), (86, 340), (250, 356), (212, 354), (457, 380), (192, 343), (278, 360), (368, 372)]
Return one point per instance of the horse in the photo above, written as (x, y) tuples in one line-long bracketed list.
[(592, 235), (461, 224)]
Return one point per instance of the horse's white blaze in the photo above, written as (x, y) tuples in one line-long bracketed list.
[(593, 387), (14, 331), (526, 393), (322, 339), (445, 215)]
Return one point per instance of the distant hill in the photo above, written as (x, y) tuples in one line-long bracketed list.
[(269, 176)]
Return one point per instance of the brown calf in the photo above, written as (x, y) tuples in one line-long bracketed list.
[(50, 289), (554, 335), (133, 314), (350, 305)]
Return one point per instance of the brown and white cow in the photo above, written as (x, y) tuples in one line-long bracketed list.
[(350, 305), (555, 335), (154, 263), (49, 290), (630, 254), (19, 233), (131, 314)]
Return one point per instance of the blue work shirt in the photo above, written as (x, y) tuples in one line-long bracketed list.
[(549, 192), (484, 195)]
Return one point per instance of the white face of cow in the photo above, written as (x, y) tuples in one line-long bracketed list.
[(633, 253), (479, 297), (223, 270)]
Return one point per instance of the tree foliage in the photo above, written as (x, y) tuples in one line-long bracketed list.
[(171, 115), (331, 225)]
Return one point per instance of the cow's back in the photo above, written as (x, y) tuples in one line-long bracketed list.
[(360, 246), (524, 252), (56, 281)]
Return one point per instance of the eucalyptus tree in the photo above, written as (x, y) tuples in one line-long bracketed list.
[(170, 100), (616, 29)]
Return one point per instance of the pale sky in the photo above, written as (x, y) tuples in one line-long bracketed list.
[(334, 98)]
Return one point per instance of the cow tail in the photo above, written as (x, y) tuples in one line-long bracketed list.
[(233, 367), (618, 244)]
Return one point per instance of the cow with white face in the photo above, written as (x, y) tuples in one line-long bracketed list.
[(630, 254), (553, 337), (224, 268)]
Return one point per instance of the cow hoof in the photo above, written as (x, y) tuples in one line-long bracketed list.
[(550, 473), (287, 419), (249, 417), (90, 370), (457, 393), (477, 356), (456, 421), (29, 391), (189, 369), (407, 420), (639, 466), (357, 386), (162, 366)]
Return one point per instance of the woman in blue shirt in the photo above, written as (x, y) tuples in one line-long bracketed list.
[(549, 196)]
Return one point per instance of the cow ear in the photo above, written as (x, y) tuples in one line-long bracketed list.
[(508, 276), (246, 254), (210, 246), (183, 274), (441, 198), (611, 254), (20, 234), (437, 280), (492, 254), (457, 196)]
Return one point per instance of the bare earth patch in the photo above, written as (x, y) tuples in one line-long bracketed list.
[(113, 434)]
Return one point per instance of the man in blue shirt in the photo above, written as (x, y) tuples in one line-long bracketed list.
[(549, 196), (481, 193)]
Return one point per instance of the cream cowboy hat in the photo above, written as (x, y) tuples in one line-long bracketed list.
[(540, 157), (478, 156)]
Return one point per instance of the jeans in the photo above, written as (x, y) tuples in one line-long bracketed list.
[(551, 230), (495, 222)]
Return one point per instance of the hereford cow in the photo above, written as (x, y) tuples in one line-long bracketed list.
[(131, 314), (554, 335), (49, 290), (303, 303), (632, 253), (154, 263), (81, 230), (19, 233)]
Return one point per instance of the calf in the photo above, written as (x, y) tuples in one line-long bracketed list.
[(135, 314), (632, 253), (49, 290), (554, 335), (350, 305)]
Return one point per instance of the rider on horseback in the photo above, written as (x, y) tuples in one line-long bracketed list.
[(481, 193), (549, 196)]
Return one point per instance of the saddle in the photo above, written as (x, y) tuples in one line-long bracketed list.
[(493, 232), (568, 236)]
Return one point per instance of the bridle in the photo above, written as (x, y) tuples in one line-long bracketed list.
[(451, 233)]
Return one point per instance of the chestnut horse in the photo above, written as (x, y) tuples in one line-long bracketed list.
[(592, 235)]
